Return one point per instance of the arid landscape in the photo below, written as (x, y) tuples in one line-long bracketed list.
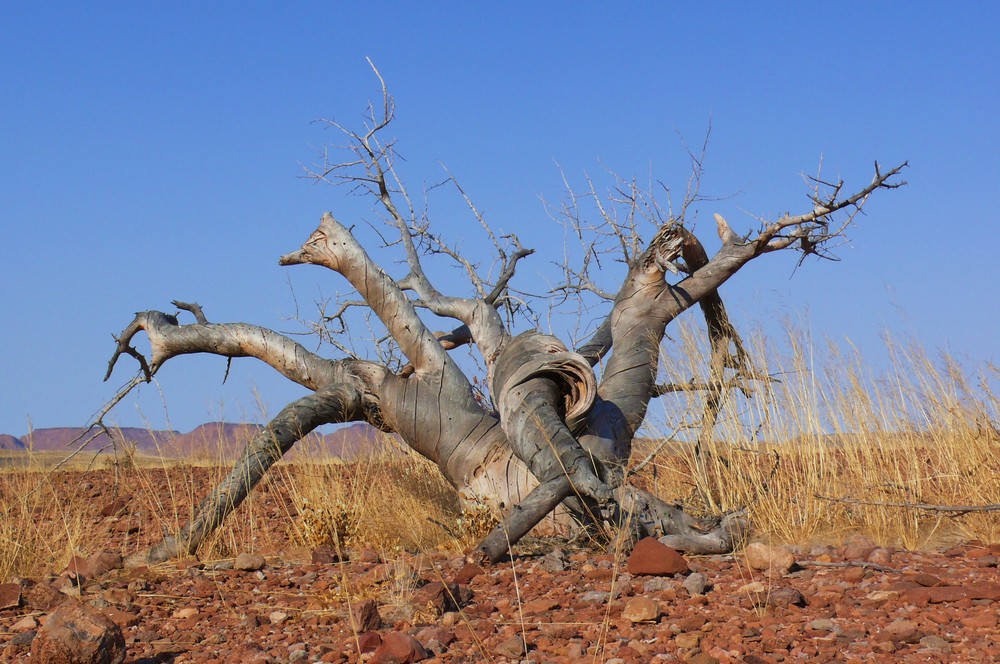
[(861, 552)]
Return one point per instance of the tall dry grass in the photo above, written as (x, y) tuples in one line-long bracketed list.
[(824, 450), (816, 455)]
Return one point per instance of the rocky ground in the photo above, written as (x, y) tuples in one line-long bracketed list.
[(855, 603)]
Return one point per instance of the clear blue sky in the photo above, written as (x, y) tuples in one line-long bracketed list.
[(153, 151)]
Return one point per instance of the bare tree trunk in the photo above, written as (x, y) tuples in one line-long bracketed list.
[(560, 435)]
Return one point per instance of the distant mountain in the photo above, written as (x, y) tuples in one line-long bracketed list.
[(212, 440), (8, 442), (62, 438)]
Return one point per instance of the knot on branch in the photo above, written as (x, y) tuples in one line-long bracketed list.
[(533, 355), (665, 247)]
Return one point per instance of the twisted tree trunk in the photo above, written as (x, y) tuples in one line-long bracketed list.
[(561, 433)]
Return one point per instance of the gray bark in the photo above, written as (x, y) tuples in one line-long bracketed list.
[(560, 436)]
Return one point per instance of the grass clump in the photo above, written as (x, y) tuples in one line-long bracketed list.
[(832, 447)]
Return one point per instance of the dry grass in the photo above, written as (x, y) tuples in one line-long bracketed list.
[(922, 430)]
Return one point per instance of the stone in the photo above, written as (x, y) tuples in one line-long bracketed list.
[(688, 640), (901, 631), (43, 596), (277, 617), (926, 580), (554, 561), (116, 507), (858, 548), (399, 648), (703, 658), (185, 613), (822, 625), (760, 556), (696, 583), (653, 558), (78, 633), (468, 572), (595, 597), (641, 609), (249, 562), (369, 642), (941, 594), (657, 584), (880, 556), (25, 624), (753, 587), (987, 620), (325, 555), (778, 598), (437, 598), (365, 616), (512, 648), (537, 606), (123, 619), (934, 642), (104, 562), (24, 639), (10, 596)]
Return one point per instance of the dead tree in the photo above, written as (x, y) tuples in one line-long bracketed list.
[(555, 431)]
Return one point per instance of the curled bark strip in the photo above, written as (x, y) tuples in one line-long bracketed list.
[(543, 393), (333, 403), (532, 355)]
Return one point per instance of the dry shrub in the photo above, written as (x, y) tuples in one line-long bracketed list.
[(389, 502), (819, 454), (39, 530)]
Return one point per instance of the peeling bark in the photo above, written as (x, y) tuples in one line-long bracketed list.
[(560, 435)]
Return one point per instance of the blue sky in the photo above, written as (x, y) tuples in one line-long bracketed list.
[(153, 151)]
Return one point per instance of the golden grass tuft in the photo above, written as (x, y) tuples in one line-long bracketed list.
[(818, 455), (824, 453)]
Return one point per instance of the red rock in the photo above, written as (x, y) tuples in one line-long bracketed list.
[(692, 623), (926, 580), (249, 562), (901, 631), (369, 556), (703, 658), (10, 596), (79, 567), (763, 557), (512, 648), (104, 562), (652, 557), (325, 555), (641, 609), (123, 619), (880, 556), (939, 594), (854, 574), (78, 633), (369, 642), (468, 572), (987, 619), (365, 616), (437, 597), (859, 549), (116, 507), (399, 648), (536, 606), (42, 596)]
